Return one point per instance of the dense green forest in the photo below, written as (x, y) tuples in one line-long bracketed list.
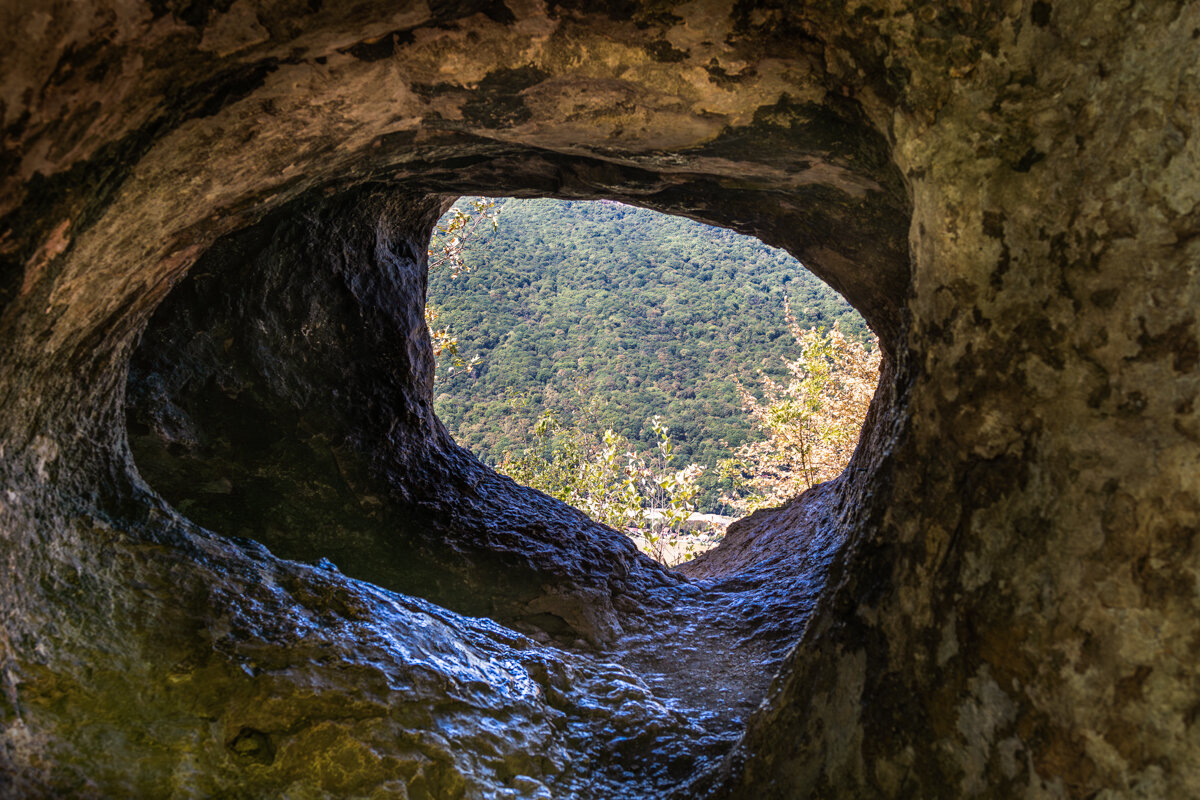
[(605, 314)]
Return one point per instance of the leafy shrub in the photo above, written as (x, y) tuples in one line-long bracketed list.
[(641, 495), (812, 419), (454, 230)]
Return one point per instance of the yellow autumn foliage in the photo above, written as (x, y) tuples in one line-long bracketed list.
[(812, 419)]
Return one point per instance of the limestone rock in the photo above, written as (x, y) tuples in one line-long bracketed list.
[(217, 212)]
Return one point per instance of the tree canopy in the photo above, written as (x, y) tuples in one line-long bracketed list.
[(607, 315)]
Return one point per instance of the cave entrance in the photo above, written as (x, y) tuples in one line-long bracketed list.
[(283, 393), (707, 355)]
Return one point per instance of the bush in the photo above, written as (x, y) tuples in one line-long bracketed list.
[(812, 420), (642, 496)]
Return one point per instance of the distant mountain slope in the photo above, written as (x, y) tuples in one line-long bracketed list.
[(608, 314)]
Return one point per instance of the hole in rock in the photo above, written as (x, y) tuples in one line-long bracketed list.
[(662, 375), (284, 393)]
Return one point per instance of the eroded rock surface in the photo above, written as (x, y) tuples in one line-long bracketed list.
[(998, 599), (282, 394)]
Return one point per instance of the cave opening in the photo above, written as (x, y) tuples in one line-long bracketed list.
[(559, 321), (996, 599), (216, 393), (301, 518), (283, 394)]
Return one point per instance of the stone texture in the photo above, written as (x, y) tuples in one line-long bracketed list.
[(281, 394), (998, 599)]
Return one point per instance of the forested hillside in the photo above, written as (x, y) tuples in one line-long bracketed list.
[(605, 315)]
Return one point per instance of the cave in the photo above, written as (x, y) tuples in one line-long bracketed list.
[(212, 252)]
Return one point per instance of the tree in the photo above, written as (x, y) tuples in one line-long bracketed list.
[(812, 420), (546, 315), (646, 498), (446, 246)]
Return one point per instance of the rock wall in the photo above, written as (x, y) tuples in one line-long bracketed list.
[(1015, 615), (997, 599), (282, 394)]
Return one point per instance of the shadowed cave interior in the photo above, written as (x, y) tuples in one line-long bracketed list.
[(212, 228)]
